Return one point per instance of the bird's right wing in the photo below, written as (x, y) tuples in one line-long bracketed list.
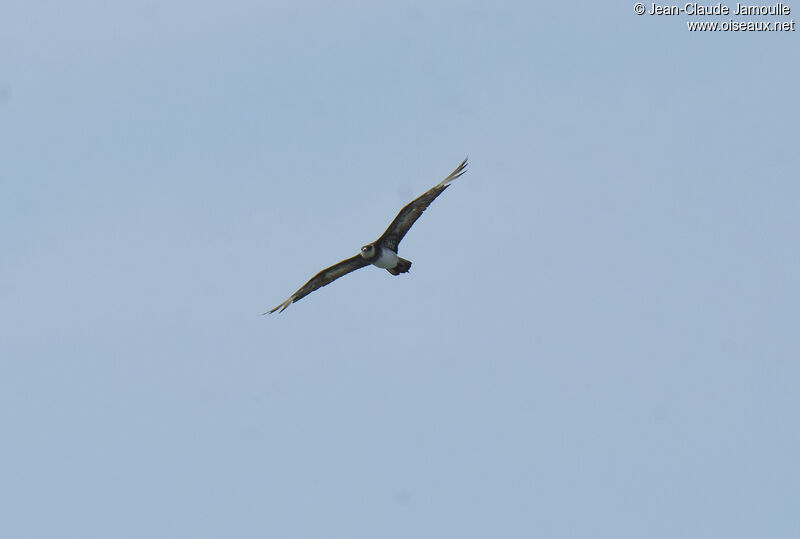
[(322, 278), (409, 215)]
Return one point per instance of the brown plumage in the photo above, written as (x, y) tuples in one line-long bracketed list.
[(326, 276), (382, 252)]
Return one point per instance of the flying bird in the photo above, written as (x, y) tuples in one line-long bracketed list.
[(383, 251)]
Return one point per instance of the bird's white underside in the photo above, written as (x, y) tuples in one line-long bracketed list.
[(387, 259)]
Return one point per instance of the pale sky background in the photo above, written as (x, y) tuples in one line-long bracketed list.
[(600, 335)]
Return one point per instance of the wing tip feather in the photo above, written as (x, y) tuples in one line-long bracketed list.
[(457, 173), (282, 306)]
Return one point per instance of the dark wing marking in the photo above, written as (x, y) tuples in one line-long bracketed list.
[(409, 215), (322, 278)]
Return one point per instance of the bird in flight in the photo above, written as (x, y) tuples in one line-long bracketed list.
[(383, 251)]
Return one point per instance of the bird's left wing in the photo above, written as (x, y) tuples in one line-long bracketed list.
[(322, 278), (409, 215)]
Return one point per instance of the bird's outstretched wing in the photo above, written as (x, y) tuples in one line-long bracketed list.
[(322, 278), (409, 215)]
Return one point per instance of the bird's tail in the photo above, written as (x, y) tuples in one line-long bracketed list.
[(402, 266)]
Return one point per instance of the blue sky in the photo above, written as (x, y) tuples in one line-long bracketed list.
[(598, 337)]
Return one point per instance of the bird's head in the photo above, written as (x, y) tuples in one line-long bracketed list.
[(368, 252)]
